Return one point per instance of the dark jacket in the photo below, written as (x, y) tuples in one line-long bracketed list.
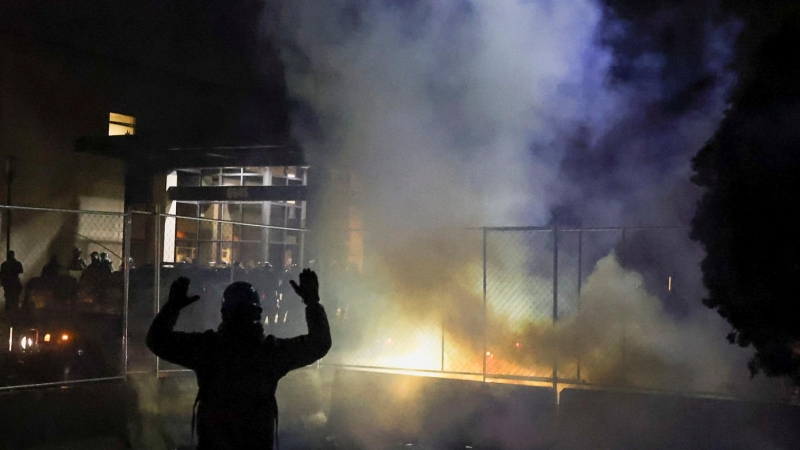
[(237, 374), (10, 271)]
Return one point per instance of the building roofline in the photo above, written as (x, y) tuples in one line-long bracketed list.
[(168, 154)]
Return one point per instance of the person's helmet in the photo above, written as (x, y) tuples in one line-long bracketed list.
[(241, 301)]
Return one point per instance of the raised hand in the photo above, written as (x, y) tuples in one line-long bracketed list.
[(308, 288), (179, 293)]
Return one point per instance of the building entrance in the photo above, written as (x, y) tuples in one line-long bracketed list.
[(213, 208)]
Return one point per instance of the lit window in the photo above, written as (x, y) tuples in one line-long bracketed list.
[(120, 124)]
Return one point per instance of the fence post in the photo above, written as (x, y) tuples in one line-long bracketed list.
[(555, 303), (580, 285), (624, 319), (126, 253), (485, 319), (302, 248), (442, 369), (157, 272)]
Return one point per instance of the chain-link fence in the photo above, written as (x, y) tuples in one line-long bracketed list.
[(83, 287), (63, 296), (517, 309), (492, 303)]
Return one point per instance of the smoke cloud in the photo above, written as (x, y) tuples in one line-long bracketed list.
[(449, 114), (476, 113), (623, 335)]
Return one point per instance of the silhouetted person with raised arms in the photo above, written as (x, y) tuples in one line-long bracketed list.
[(10, 271), (237, 367)]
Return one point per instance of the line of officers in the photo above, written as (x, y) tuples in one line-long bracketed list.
[(98, 284), (283, 313), (93, 283)]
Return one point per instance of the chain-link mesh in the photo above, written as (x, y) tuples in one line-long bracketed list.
[(491, 302), (142, 300), (409, 303), (520, 333), (594, 245), (569, 274), (519, 302), (62, 316)]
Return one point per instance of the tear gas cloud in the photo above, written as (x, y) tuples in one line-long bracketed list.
[(464, 114)]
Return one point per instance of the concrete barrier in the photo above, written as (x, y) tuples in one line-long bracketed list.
[(592, 419), (40, 416), (372, 410)]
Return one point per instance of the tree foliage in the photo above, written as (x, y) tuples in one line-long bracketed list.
[(748, 217)]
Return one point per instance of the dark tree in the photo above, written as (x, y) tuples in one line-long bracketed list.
[(748, 218)]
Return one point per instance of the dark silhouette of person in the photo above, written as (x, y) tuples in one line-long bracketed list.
[(131, 265), (266, 283), (77, 263), (105, 263), (94, 261), (94, 279), (10, 271), (237, 367), (52, 268)]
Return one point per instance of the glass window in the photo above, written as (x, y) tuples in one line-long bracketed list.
[(277, 215), (121, 118), (251, 213), (250, 254), (121, 124), (214, 242), (210, 177), (225, 232), (186, 228), (188, 178), (232, 180), (225, 253)]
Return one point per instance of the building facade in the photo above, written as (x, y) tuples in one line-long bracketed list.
[(179, 108)]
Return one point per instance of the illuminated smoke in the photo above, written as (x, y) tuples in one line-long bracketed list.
[(472, 113), (443, 110), (622, 335)]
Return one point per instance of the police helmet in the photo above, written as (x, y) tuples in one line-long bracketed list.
[(241, 296)]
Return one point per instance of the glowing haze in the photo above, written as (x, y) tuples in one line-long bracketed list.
[(438, 107), (453, 114)]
